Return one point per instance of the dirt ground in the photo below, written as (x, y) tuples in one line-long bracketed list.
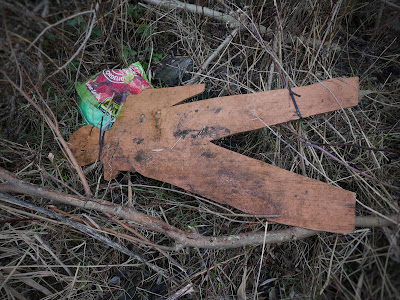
[(54, 247)]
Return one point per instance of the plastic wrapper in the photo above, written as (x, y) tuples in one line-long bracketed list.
[(102, 96)]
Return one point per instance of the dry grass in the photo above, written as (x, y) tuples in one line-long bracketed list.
[(44, 258)]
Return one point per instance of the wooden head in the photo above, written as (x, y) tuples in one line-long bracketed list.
[(84, 143)]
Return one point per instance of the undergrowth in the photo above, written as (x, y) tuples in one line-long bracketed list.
[(280, 42)]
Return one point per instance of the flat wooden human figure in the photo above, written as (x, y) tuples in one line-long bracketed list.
[(172, 143)]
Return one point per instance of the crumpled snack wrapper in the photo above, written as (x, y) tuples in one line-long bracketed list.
[(102, 96)]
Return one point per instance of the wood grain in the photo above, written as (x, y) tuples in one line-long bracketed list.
[(173, 144)]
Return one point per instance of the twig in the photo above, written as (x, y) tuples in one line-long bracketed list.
[(54, 127), (215, 53), (272, 65), (392, 5), (49, 176), (84, 229), (213, 14), (262, 256), (146, 241), (187, 289), (287, 143), (110, 231), (252, 28), (337, 159), (342, 162), (83, 44), (57, 23), (182, 238)]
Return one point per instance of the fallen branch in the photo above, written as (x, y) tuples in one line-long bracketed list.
[(54, 126), (213, 14), (257, 31), (82, 228), (182, 238)]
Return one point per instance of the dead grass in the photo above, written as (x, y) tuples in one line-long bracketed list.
[(43, 258)]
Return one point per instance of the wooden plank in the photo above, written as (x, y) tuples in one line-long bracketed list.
[(240, 113), (172, 144)]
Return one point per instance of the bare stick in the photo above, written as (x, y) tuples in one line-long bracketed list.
[(187, 289), (215, 53), (145, 240), (110, 231), (84, 229), (213, 14), (182, 238), (395, 6), (57, 132)]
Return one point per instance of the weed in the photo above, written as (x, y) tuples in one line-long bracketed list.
[(310, 40)]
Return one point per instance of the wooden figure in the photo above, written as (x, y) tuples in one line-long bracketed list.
[(172, 143)]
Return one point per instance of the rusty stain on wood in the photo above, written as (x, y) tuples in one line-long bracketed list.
[(165, 141)]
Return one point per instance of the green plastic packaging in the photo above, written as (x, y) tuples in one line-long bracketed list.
[(101, 97)]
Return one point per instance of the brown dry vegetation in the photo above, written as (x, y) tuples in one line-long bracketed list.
[(46, 254)]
